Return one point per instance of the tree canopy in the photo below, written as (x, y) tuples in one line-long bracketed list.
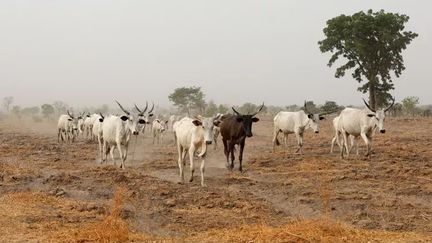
[(372, 44), (187, 98)]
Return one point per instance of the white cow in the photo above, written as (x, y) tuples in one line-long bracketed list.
[(158, 127), (296, 122), (216, 129), (193, 135), (361, 122), (116, 133), (336, 138), (67, 125), (98, 133), (88, 125), (145, 116)]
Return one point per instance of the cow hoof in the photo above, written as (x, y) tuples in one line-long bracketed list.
[(191, 179), (203, 185)]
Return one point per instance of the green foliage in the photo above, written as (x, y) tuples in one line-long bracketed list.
[(409, 104), (372, 44), (187, 98), (47, 110), (223, 109), (30, 110), (60, 106), (330, 106)]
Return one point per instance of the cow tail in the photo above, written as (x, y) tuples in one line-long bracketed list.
[(277, 141)]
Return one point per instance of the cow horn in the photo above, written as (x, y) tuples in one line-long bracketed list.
[(368, 106), (151, 109), (305, 108), (123, 109), (235, 111), (101, 115), (145, 107), (69, 114), (388, 108), (136, 107), (259, 110)]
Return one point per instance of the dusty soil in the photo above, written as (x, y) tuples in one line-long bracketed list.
[(49, 191)]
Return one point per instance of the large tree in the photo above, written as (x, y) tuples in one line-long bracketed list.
[(372, 44), (187, 98), (7, 102)]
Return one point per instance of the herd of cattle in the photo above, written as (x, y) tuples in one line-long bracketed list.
[(192, 135)]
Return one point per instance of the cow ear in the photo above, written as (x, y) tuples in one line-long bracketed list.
[(101, 119), (239, 119), (197, 122), (124, 118), (150, 115), (310, 116), (255, 119), (141, 121), (370, 115), (166, 122), (216, 123), (69, 119), (321, 118)]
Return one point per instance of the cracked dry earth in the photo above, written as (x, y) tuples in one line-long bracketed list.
[(47, 188)]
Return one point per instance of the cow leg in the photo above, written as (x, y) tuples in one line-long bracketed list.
[(121, 155), (242, 144), (100, 149), (286, 140), (191, 162), (345, 145), (112, 154), (299, 137), (275, 139), (232, 147), (226, 152), (202, 169), (180, 161), (367, 142)]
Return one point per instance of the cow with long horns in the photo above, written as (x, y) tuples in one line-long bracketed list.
[(234, 130), (116, 133), (287, 122), (145, 116), (67, 127), (361, 122)]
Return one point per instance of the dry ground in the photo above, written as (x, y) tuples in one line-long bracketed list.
[(51, 192)]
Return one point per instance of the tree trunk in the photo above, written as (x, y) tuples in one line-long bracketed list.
[(372, 94)]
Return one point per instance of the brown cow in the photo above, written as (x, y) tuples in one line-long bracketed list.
[(234, 130)]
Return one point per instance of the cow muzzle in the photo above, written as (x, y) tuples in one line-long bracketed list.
[(316, 131), (135, 133), (382, 131), (208, 142), (249, 135)]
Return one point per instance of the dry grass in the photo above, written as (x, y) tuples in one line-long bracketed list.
[(318, 230)]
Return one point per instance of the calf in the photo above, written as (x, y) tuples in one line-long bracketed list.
[(158, 127)]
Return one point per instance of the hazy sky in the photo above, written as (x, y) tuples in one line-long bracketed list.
[(91, 52)]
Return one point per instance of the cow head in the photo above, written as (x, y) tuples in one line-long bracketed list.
[(145, 115), (101, 117), (131, 120), (313, 119), (207, 123), (247, 120), (73, 121), (378, 115)]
